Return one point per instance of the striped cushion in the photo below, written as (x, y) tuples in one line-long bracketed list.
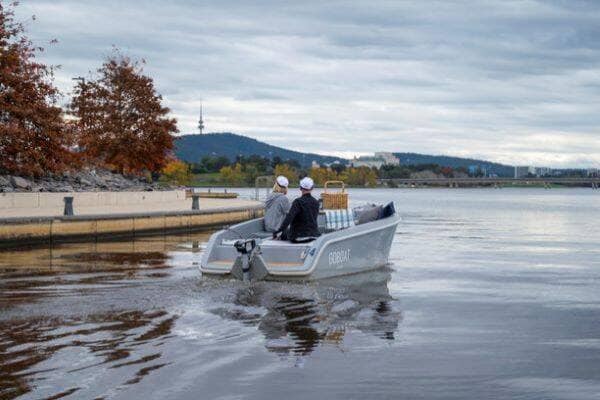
[(339, 219)]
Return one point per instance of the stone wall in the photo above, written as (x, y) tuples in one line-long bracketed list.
[(86, 180)]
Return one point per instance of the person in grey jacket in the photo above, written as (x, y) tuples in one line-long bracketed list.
[(277, 205)]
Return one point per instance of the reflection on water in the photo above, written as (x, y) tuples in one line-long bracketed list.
[(34, 348), (299, 317), (109, 311), (491, 294), (86, 257), (51, 326), (50, 298)]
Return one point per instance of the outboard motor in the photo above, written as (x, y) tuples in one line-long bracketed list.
[(245, 248)]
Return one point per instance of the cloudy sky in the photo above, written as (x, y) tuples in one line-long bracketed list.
[(510, 81)]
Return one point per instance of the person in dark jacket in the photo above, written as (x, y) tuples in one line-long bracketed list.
[(302, 217)]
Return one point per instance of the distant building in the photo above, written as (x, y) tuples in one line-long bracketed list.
[(524, 172), (543, 171), (388, 158), (367, 162), (477, 170), (314, 164), (377, 160), (593, 172)]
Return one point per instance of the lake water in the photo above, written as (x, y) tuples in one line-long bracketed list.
[(490, 294)]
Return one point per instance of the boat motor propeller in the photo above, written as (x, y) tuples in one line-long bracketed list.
[(245, 248)]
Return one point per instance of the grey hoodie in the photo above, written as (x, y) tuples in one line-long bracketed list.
[(276, 208)]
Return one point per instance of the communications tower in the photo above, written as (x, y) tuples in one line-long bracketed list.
[(200, 121)]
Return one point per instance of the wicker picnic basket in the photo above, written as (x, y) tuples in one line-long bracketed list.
[(334, 200)]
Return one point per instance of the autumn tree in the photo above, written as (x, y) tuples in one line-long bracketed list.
[(121, 123), (33, 136), (448, 172), (177, 172), (321, 175), (233, 175), (288, 171), (360, 176)]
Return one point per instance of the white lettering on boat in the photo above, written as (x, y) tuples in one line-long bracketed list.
[(338, 257)]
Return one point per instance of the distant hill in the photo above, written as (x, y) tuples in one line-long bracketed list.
[(455, 162), (192, 148)]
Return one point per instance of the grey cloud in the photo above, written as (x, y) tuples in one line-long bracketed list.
[(498, 80)]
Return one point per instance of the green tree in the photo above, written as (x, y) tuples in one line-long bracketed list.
[(394, 171), (214, 163), (251, 172), (261, 163), (338, 168)]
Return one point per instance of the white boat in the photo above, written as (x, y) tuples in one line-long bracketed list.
[(246, 252)]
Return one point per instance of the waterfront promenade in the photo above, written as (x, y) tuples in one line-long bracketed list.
[(25, 205), (27, 218)]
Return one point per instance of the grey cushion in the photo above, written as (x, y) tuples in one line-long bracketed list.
[(369, 214)]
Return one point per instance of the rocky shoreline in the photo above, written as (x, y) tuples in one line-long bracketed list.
[(93, 180)]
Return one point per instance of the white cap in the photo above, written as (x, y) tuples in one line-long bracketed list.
[(307, 183), (282, 181)]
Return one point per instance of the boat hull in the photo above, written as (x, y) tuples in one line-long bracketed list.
[(357, 249)]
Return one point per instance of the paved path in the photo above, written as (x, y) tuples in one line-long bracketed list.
[(178, 205)]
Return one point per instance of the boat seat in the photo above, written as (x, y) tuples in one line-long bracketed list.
[(338, 219)]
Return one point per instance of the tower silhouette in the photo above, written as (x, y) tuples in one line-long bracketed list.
[(200, 121)]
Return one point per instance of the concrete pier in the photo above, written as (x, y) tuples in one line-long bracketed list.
[(28, 218)]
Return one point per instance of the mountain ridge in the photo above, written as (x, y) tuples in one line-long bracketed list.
[(192, 147), (491, 167)]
